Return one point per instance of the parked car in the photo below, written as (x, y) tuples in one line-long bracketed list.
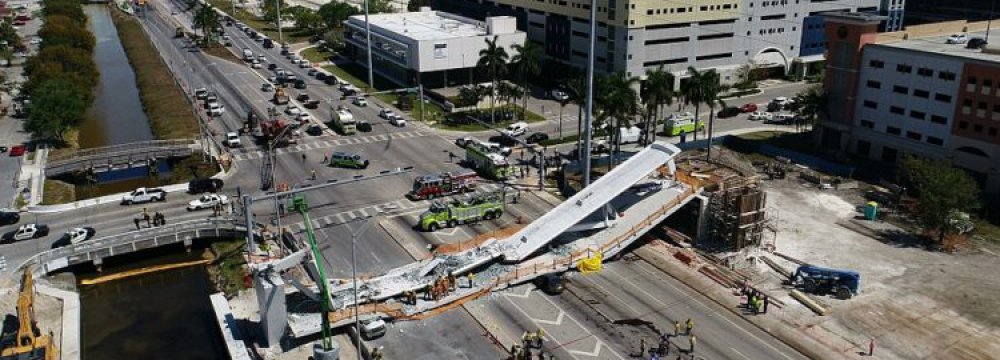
[(729, 112), (559, 95), (976, 43), (25, 232), (748, 107), (17, 150), (142, 195), (960, 38), (9, 217), (203, 185), (321, 76), (201, 93), (216, 109), (329, 80), (207, 201), (783, 118), (760, 115), (78, 235), (372, 327), (536, 138), (551, 284)]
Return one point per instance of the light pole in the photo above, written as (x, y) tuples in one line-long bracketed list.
[(585, 157), (277, 9), (354, 272), (368, 41)]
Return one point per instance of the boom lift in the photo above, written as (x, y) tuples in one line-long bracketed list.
[(299, 204), (29, 345)]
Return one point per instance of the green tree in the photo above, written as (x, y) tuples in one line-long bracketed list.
[(309, 21), (54, 61), (618, 101), (813, 106), (493, 60), (380, 6), (576, 92), (61, 30), (334, 13), (659, 92), (693, 90), (469, 96), (528, 62), (69, 8), (207, 20), (269, 9), (414, 5), (943, 190), (58, 105), (710, 95)]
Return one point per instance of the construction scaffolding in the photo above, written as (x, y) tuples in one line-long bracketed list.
[(737, 214)]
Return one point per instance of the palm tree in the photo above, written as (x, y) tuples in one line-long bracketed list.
[(562, 106), (493, 60), (528, 63), (694, 93), (812, 106), (576, 92), (469, 96), (711, 87), (506, 92), (619, 102), (659, 92), (206, 19)]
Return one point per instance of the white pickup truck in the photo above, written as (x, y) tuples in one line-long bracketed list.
[(143, 195)]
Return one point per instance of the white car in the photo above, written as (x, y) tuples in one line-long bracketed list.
[(760, 115), (559, 95), (360, 101), (207, 201), (215, 109), (398, 121), (36, 41), (262, 58), (516, 129), (256, 64), (304, 64), (232, 139), (293, 111), (387, 114), (304, 117), (80, 234), (957, 39), (464, 141)]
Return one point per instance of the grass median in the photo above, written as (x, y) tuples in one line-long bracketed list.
[(290, 36), (163, 100)]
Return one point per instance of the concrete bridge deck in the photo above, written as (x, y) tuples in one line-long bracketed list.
[(120, 156)]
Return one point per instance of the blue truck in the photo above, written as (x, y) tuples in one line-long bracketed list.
[(814, 279)]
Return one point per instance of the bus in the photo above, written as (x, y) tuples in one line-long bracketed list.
[(680, 123), (343, 121)]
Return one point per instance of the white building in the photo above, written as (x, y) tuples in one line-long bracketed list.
[(428, 47)]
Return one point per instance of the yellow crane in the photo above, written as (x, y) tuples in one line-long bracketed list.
[(29, 345)]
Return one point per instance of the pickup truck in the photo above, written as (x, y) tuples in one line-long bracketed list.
[(142, 195), (25, 232)]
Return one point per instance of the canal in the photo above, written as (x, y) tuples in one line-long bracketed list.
[(162, 315), (116, 116)]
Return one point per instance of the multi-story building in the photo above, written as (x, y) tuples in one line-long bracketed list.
[(634, 36), (427, 47), (920, 96)]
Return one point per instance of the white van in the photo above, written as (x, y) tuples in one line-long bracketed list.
[(247, 55), (629, 135), (516, 129)]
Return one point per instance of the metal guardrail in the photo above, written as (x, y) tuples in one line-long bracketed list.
[(129, 147), (125, 154), (97, 249)]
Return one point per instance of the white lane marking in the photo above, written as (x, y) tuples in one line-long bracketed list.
[(740, 354)]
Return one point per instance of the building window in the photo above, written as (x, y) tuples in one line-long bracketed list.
[(874, 84), (942, 98), (921, 93), (938, 119), (917, 114), (925, 72), (935, 141), (977, 128), (867, 124), (963, 125), (946, 75), (864, 147), (993, 132), (871, 104), (893, 130), (900, 89), (896, 110), (914, 135), (877, 64), (903, 68)]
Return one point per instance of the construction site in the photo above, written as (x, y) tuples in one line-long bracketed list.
[(794, 258)]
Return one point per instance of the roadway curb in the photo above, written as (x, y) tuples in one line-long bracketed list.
[(70, 337), (795, 340)]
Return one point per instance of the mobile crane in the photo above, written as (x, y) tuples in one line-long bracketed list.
[(29, 345)]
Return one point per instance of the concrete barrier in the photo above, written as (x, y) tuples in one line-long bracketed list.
[(107, 199)]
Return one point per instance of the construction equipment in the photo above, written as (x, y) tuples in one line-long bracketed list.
[(446, 183), (299, 204), (814, 279), (29, 345), (487, 162), (474, 208), (267, 130)]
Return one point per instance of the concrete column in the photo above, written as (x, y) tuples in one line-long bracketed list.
[(99, 262), (271, 302), (187, 244), (702, 231)]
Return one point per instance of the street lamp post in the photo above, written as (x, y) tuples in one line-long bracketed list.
[(585, 157), (354, 273), (277, 9), (368, 42)]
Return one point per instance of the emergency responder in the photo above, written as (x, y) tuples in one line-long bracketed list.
[(690, 326)]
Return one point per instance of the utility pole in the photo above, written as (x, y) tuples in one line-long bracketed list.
[(354, 274), (368, 41), (277, 8), (585, 157), (989, 20)]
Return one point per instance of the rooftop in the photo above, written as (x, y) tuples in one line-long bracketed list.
[(938, 44), (426, 25)]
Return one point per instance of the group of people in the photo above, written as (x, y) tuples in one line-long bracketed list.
[(756, 302), (157, 219), (530, 340)]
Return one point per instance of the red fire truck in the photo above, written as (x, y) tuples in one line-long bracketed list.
[(446, 183)]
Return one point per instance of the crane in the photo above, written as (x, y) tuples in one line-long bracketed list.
[(29, 345), (299, 205)]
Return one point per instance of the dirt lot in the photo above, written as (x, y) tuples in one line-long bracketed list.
[(916, 303)]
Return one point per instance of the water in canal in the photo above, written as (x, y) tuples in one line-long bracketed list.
[(164, 315), (116, 117)]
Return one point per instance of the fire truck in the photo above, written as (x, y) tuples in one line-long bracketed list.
[(446, 183), (267, 130)]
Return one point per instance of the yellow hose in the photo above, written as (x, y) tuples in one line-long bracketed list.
[(141, 271)]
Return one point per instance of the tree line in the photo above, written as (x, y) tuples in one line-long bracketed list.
[(62, 75)]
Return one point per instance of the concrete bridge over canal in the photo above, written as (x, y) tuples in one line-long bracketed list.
[(121, 156)]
